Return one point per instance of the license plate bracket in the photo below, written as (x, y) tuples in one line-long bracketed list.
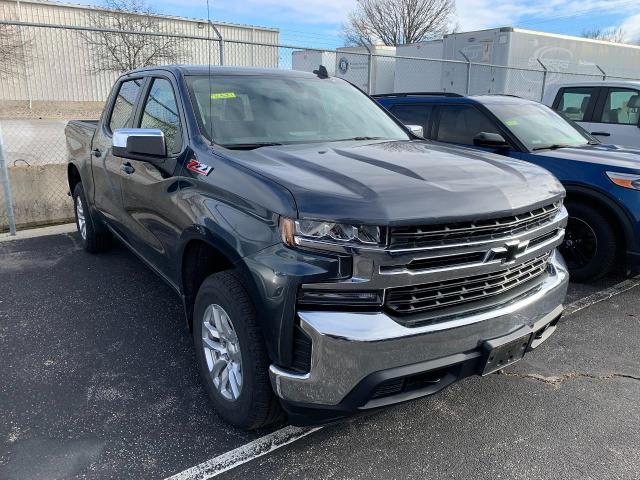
[(501, 354)]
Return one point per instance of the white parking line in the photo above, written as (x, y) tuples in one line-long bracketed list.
[(267, 444), (602, 295), (252, 450)]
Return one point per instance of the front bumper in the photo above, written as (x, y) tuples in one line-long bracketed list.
[(353, 353)]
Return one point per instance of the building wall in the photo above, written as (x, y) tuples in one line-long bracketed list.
[(59, 62)]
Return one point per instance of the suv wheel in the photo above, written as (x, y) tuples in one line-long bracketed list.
[(94, 235), (231, 354), (589, 246)]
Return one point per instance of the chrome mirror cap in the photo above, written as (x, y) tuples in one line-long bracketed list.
[(416, 130), (138, 141)]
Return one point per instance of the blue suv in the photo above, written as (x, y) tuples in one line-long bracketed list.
[(602, 181)]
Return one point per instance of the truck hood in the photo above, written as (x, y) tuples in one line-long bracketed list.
[(609, 155), (401, 182)]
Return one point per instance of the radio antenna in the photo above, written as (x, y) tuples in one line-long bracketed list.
[(210, 54)]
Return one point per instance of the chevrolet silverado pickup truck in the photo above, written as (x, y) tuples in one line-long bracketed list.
[(328, 259)]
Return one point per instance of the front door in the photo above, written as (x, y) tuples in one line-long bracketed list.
[(618, 117), (149, 188)]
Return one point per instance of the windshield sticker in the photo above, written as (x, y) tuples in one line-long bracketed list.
[(200, 168), (221, 96), (511, 123)]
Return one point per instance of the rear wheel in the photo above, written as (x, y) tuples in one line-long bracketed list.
[(231, 354), (589, 246), (94, 235)]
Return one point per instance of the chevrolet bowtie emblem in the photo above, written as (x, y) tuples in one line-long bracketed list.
[(509, 252)]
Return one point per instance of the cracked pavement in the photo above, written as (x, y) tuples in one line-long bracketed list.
[(98, 382)]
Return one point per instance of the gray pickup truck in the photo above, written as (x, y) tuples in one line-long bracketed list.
[(328, 259)]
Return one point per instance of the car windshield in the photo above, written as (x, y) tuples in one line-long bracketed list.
[(538, 127), (252, 110)]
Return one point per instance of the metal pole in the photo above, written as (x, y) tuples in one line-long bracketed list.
[(24, 57), (369, 68), (220, 39), (8, 199), (468, 71), (604, 74), (544, 79)]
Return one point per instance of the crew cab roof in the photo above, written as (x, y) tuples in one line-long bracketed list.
[(217, 70)]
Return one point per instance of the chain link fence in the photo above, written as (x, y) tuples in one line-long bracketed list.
[(64, 72)]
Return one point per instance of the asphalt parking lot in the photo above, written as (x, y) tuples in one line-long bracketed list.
[(99, 382)]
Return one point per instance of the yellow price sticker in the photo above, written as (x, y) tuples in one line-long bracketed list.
[(511, 123), (220, 96)]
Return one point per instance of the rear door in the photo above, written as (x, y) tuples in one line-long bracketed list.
[(617, 117), (577, 104), (106, 168), (149, 188)]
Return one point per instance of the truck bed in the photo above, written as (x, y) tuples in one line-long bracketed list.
[(79, 134)]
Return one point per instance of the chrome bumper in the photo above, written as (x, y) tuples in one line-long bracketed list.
[(347, 347)]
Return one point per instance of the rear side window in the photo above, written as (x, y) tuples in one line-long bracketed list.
[(621, 107), (161, 112), (124, 104), (574, 102), (413, 114), (459, 124)]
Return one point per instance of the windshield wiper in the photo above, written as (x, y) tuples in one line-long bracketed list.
[(250, 146), (555, 146)]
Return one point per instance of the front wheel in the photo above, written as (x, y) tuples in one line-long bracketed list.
[(231, 354), (590, 245)]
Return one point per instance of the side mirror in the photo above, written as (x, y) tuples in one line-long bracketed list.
[(490, 140), (417, 130), (139, 143)]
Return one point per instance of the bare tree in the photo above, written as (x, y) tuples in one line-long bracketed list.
[(396, 22), (13, 50), (616, 35), (119, 51)]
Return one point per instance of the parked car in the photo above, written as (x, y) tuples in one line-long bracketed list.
[(602, 181), (328, 260), (609, 110)]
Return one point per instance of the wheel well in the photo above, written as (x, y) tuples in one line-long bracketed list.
[(74, 177), (199, 260), (610, 214)]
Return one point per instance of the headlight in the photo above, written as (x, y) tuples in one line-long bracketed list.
[(337, 233), (626, 180)]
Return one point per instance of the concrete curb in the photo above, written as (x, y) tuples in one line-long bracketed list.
[(39, 232)]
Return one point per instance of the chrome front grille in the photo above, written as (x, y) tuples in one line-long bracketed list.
[(461, 232), (465, 290)]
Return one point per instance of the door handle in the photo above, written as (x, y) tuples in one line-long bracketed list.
[(127, 168), (96, 153), (601, 134)]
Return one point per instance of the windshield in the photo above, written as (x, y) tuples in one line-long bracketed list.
[(538, 127), (250, 110)]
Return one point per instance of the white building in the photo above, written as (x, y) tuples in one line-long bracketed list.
[(58, 61)]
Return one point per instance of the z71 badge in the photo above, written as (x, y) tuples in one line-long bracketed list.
[(197, 167)]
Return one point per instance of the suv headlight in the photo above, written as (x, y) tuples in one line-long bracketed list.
[(626, 180), (293, 231)]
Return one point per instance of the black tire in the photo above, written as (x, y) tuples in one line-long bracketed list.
[(256, 405), (96, 238), (588, 259)]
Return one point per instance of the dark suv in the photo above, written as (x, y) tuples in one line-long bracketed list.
[(602, 181)]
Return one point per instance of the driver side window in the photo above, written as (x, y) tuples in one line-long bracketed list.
[(161, 112), (460, 123)]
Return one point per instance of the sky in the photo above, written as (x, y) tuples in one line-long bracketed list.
[(316, 23)]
